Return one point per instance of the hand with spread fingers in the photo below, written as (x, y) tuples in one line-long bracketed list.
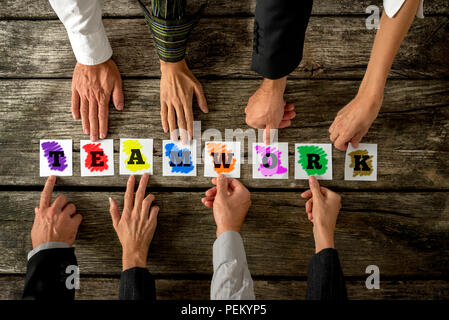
[(54, 222), (230, 201), (178, 86), (92, 87), (136, 225), (267, 109), (322, 210)]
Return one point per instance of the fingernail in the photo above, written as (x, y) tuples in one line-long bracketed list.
[(102, 136), (110, 201), (121, 106), (221, 177)]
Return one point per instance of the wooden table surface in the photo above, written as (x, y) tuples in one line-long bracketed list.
[(399, 223)]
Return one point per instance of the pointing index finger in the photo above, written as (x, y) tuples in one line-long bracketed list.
[(46, 194)]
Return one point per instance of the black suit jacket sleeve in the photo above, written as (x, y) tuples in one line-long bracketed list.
[(279, 31), (137, 284), (325, 280), (46, 275)]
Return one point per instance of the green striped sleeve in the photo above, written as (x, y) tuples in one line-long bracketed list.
[(170, 27)]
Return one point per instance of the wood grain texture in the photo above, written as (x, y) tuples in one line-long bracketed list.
[(42, 9), (11, 288), (404, 234), (335, 47), (412, 129)]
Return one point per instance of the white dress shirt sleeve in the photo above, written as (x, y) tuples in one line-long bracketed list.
[(82, 20), (231, 279), (393, 6)]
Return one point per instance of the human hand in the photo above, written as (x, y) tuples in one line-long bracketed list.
[(230, 201), (57, 222), (178, 85), (322, 210), (267, 109), (354, 120), (135, 227), (92, 87)]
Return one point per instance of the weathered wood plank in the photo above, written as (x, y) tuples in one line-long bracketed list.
[(404, 234), (411, 131), (42, 9), (336, 47), (11, 288)]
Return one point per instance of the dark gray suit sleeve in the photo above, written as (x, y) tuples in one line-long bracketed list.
[(137, 284), (279, 31), (325, 280), (46, 275)]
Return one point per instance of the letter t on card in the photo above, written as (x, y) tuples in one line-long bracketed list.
[(136, 156), (97, 158), (55, 158)]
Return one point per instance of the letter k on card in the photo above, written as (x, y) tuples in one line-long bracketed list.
[(361, 162)]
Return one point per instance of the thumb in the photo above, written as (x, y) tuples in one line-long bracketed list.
[(315, 188), (356, 140), (200, 98), (113, 209), (222, 185), (117, 96)]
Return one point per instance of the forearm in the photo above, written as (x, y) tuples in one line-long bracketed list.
[(232, 279), (82, 20), (325, 280), (386, 44), (170, 26), (47, 275), (137, 284)]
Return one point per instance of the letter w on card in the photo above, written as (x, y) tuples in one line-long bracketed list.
[(222, 158)]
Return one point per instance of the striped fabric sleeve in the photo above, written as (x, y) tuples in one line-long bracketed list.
[(170, 27)]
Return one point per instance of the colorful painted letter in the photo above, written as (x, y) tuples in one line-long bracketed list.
[(222, 158), (270, 162), (97, 158), (179, 159), (136, 156), (361, 162), (55, 158), (313, 160)]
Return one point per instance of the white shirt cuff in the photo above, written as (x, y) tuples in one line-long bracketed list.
[(393, 6), (228, 247), (47, 245), (91, 49)]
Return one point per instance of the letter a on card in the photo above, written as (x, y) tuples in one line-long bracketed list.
[(136, 156), (313, 160), (361, 162), (270, 161), (97, 158), (222, 158), (179, 159), (55, 158)]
